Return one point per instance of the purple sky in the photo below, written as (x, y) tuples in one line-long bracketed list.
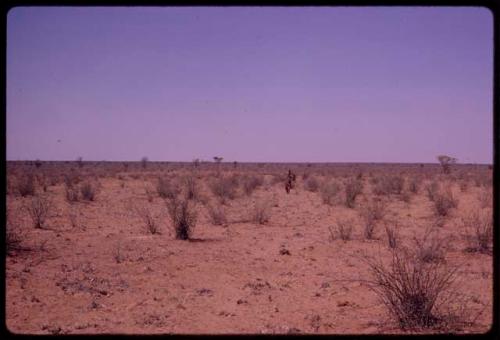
[(250, 84)]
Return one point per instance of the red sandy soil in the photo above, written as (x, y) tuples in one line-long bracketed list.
[(108, 274)]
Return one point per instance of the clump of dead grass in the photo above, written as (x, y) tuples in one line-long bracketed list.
[(38, 209), (224, 188), (479, 230), (183, 217), (353, 188), (261, 212), (413, 291), (217, 215), (329, 192)]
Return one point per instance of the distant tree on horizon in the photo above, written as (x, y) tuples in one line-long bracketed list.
[(144, 161), (446, 162)]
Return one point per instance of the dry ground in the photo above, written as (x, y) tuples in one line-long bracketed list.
[(94, 267)]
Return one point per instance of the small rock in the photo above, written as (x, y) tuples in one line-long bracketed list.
[(284, 251)]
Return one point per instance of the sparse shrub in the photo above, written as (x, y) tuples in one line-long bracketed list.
[(329, 192), (261, 213), (148, 219), (392, 236), (311, 184), (224, 188), (430, 247), (486, 198), (183, 217), (192, 191), (479, 230), (149, 194), (26, 185), (369, 228), (251, 183), (464, 185), (38, 209), (217, 215), (72, 194), (405, 196), (88, 191), (375, 210), (353, 188), (344, 229), (443, 202), (118, 254), (13, 236), (372, 213), (167, 189), (414, 185), (388, 184), (144, 162), (412, 291), (72, 178), (432, 189), (73, 218), (42, 181)]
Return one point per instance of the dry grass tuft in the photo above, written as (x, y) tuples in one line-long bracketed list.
[(388, 184), (329, 192), (353, 188), (88, 191), (167, 189), (261, 213), (343, 230), (26, 185), (412, 291), (145, 214), (183, 217), (311, 184), (217, 215), (444, 201), (224, 188), (38, 210), (392, 236), (479, 231)]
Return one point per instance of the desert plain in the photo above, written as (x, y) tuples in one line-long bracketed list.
[(95, 247)]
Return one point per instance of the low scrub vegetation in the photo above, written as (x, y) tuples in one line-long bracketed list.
[(388, 184), (38, 210), (147, 217), (413, 291), (88, 191), (26, 185), (217, 215), (224, 188), (392, 236), (251, 183), (329, 192), (479, 231), (167, 188), (261, 213), (343, 230), (353, 188), (183, 217), (311, 184), (444, 201), (430, 247)]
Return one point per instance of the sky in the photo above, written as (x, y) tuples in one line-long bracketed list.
[(250, 84)]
